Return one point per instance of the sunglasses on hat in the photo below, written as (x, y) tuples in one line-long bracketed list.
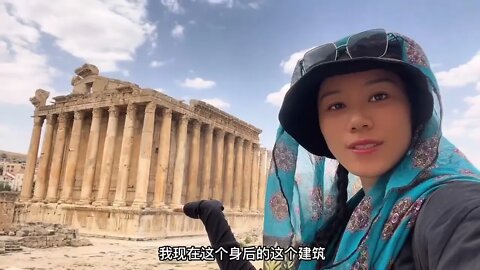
[(371, 43)]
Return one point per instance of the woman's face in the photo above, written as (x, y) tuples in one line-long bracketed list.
[(365, 119)]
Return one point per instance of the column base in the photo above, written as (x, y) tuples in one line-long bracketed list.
[(51, 200), (176, 207), (24, 199), (83, 202), (119, 203), (140, 205), (65, 201), (161, 205), (100, 203), (35, 200)]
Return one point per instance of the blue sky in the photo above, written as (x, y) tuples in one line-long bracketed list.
[(237, 55)]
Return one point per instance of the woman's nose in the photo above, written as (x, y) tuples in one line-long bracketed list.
[(359, 121)]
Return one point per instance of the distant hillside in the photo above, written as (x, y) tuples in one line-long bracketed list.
[(12, 156)]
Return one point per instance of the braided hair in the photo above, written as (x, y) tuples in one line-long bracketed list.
[(325, 236)]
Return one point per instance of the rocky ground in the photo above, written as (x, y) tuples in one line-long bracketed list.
[(114, 254)]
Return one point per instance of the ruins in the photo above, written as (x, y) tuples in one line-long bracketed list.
[(119, 160)]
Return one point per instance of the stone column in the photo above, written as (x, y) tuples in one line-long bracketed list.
[(163, 158), (207, 163), (27, 185), (192, 192), (72, 158), (247, 179), (143, 175), (57, 158), (254, 187), (262, 179), (229, 168), (218, 164), (91, 158), (40, 182), (179, 162), (125, 156), (239, 172), (107, 158)]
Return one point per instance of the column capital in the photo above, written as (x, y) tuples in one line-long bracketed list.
[(230, 137), (255, 146), (183, 118), (113, 111), (219, 131), (247, 143), (195, 123), (150, 108), (131, 108), (239, 140), (62, 119), (167, 111), (38, 120), (208, 128), (97, 113), (49, 118), (78, 115)]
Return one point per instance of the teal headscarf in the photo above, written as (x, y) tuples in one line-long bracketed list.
[(301, 192)]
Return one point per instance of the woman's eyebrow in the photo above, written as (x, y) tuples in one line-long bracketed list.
[(325, 94), (381, 80)]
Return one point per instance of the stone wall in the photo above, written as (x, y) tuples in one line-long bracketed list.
[(125, 222), (7, 206)]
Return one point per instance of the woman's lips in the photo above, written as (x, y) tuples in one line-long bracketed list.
[(365, 146)]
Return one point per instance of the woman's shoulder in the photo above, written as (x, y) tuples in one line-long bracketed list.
[(458, 195), (447, 234)]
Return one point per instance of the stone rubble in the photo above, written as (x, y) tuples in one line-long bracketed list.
[(39, 235)]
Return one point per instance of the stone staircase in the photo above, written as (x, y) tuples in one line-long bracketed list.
[(10, 244)]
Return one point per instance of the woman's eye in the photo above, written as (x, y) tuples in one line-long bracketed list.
[(336, 106), (378, 97)]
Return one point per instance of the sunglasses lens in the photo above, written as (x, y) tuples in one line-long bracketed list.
[(325, 53), (372, 43)]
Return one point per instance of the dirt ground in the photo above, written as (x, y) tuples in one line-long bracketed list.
[(106, 254)]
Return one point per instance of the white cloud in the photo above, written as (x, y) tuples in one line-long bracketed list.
[(98, 38), (160, 90), (22, 69), (217, 103), (100, 41), (461, 75), (177, 31), (466, 125), (464, 130), (254, 5), (173, 6), (228, 3), (289, 65), (155, 63), (276, 98), (198, 83)]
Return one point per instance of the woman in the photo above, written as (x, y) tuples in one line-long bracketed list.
[(371, 102)]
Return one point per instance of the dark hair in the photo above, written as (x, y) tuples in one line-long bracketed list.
[(324, 236)]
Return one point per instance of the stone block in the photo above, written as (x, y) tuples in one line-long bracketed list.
[(80, 242)]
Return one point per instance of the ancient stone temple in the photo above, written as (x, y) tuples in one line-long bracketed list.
[(120, 160)]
